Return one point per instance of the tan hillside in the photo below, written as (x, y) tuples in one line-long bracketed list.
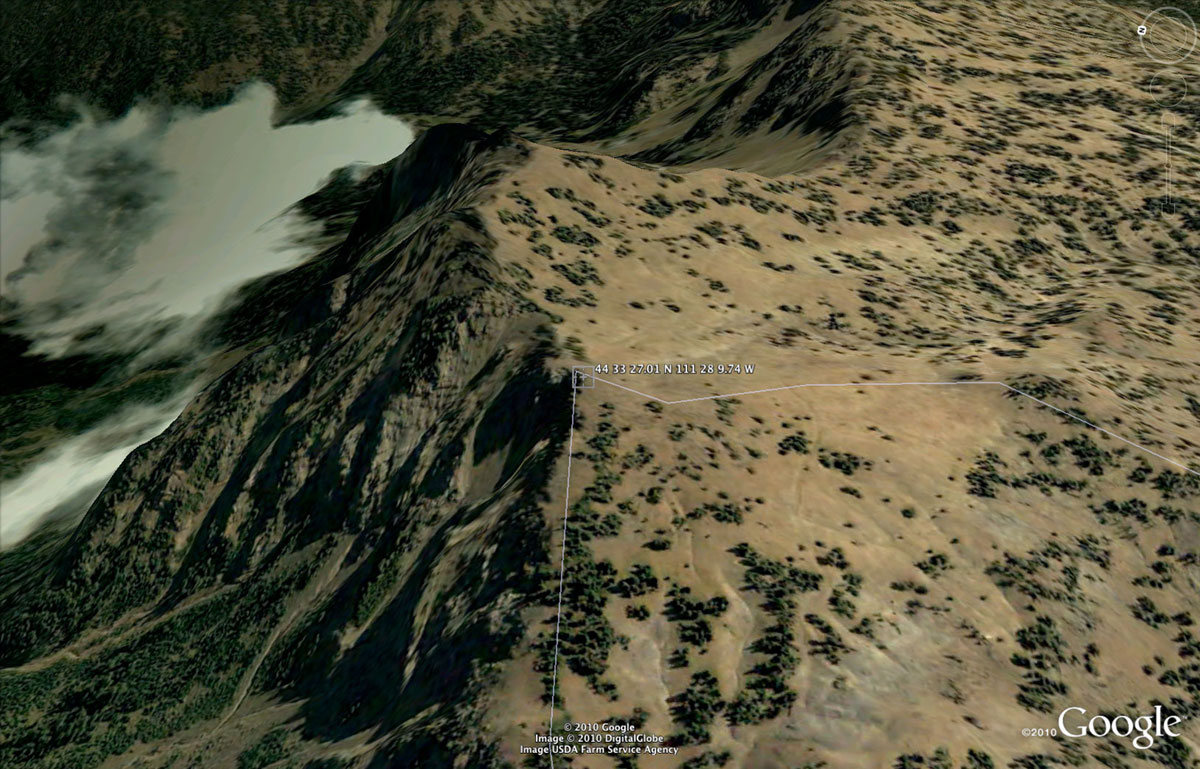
[(992, 213)]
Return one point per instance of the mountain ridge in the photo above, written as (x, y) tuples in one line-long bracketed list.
[(348, 542)]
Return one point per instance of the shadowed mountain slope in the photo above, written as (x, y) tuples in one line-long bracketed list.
[(354, 475)]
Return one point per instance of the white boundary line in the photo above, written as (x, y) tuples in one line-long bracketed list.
[(1167, 136), (562, 569), (571, 441)]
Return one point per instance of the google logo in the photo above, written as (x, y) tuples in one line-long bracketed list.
[(1147, 727)]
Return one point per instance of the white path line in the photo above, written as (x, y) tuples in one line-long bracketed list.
[(800, 386), (907, 384), (635, 392), (571, 440), (562, 569), (1106, 432)]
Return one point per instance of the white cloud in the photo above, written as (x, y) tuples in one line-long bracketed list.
[(112, 231), (73, 473)]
